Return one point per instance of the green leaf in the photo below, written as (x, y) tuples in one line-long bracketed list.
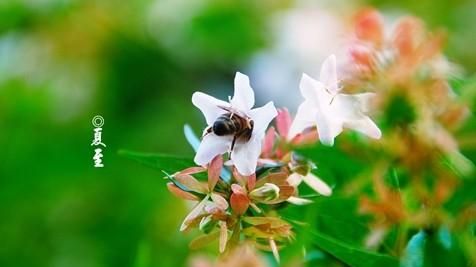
[(459, 164), (399, 112), (161, 162), (333, 216), (332, 221), (333, 225), (463, 197), (333, 162), (143, 255), (351, 255), (464, 86), (204, 240)]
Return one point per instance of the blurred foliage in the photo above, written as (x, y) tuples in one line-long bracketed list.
[(137, 63)]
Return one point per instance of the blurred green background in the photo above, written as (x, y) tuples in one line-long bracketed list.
[(136, 63)]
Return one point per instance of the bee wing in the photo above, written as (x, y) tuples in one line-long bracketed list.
[(234, 111)]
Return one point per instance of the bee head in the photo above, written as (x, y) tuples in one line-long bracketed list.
[(223, 126)]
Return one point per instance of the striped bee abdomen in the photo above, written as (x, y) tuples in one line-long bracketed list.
[(225, 126), (233, 124)]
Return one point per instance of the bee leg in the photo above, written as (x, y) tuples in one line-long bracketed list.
[(249, 123), (232, 146), (207, 131)]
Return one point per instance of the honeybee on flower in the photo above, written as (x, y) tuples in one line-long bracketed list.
[(251, 169), (262, 172), (233, 126)]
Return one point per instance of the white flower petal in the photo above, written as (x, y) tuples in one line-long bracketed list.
[(262, 117), (219, 201), (274, 249), (223, 236), (196, 211), (309, 86), (364, 101), (245, 155), (211, 146), (299, 201), (327, 128), (375, 237), (294, 179), (351, 108), (317, 184), (328, 74), (305, 117), (209, 106), (330, 110), (365, 126), (244, 97)]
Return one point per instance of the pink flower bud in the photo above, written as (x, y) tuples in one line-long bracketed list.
[(214, 170), (283, 121), (239, 201), (369, 26)]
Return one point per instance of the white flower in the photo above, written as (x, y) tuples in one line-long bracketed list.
[(245, 154), (314, 182), (331, 111)]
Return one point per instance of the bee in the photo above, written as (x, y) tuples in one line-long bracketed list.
[(232, 123)]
